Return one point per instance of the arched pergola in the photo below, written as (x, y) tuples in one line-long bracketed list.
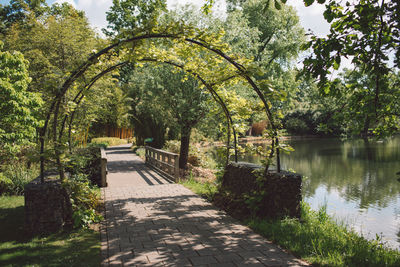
[(80, 95), (241, 71)]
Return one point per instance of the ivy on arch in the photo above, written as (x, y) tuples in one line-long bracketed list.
[(186, 40)]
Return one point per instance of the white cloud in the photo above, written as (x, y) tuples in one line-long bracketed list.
[(95, 10), (311, 17)]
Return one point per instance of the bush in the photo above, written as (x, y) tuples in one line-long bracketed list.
[(140, 151), (296, 126), (109, 141), (85, 200), (15, 176), (196, 156), (301, 122), (86, 161), (173, 146)]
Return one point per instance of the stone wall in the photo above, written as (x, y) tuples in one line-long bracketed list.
[(47, 206), (246, 190)]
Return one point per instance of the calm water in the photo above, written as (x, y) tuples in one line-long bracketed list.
[(356, 181)]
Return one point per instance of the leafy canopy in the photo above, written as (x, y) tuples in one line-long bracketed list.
[(18, 107)]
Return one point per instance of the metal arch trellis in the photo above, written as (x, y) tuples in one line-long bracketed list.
[(55, 105), (79, 97)]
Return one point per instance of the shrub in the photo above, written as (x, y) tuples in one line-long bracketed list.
[(85, 161), (85, 200), (140, 151), (173, 146), (109, 141), (15, 176), (296, 126), (196, 156)]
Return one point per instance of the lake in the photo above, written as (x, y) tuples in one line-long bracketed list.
[(356, 180)]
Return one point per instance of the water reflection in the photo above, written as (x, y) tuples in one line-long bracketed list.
[(362, 172), (355, 179)]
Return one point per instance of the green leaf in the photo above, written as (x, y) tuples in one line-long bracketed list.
[(308, 2), (278, 5)]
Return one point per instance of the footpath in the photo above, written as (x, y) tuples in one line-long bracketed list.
[(151, 221)]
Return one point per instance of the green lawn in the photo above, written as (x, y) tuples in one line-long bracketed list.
[(74, 248)]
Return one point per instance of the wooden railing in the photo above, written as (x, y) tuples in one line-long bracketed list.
[(163, 161), (103, 167)]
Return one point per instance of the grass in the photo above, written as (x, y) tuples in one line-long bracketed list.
[(316, 238), (109, 141), (206, 190), (73, 248)]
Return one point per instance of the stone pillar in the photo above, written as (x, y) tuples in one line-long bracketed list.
[(274, 195), (47, 206)]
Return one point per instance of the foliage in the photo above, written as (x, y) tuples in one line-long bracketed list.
[(133, 15), (18, 107), (85, 161), (320, 240), (273, 38), (196, 157), (109, 141), (74, 248), (14, 177), (55, 41), (365, 32), (173, 146), (206, 189), (140, 151), (85, 200), (296, 126)]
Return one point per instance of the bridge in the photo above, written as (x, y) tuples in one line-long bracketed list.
[(152, 221)]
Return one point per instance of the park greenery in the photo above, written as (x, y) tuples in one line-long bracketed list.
[(317, 237), (188, 75)]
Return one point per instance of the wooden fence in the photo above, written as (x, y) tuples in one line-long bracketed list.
[(122, 133), (163, 161)]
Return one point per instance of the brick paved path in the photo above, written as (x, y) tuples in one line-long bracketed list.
[(153, 222)]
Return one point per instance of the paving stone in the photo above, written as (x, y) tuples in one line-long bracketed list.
[(152, 222), (228, 257), (202, 260)]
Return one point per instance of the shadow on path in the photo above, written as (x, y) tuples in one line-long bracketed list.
[(158, 223)]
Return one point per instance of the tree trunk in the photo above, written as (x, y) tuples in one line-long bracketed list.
[(184, 152), (364, 133)]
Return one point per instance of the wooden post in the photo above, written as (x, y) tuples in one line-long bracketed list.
[(170, 169), (176, 164), (103, 168), (163, 160)]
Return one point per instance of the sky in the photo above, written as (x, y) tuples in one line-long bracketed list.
[(310, 17)]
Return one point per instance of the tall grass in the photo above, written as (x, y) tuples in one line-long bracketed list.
[(15, 176), (319, 239)]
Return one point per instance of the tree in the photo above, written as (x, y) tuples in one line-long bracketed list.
[(133, 15), (18, 107), (273, 38), (367, 32), (19, 10), (55, 41), (165, 98), (187, 102)]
